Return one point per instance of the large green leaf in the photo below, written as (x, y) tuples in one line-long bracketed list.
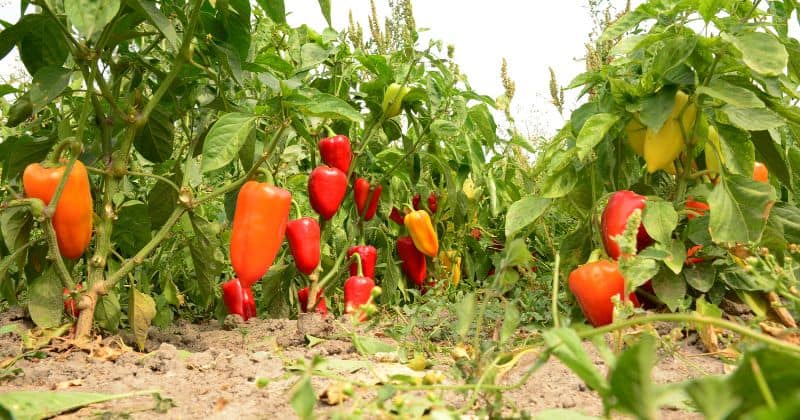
[(771, 154), (224, 140), (154, 140), (148, 9), (753, 119), (90, 16), (30, 405), (761, 51), (657, 108), (731, 94), (593, 132), (740, 208), (630, 380), (207, 258), (45, 299), (108, 312), (132, 229), (326, 106), (48, 83), (660, 219), (523, 213), (41, 43), (26, 150), (325, 7), (275, 9), (670, 288)]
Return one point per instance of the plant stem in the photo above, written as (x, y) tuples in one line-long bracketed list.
[(554, 299)]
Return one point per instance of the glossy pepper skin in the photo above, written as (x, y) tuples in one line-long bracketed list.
[(336, 152), (238, 299), (361, 193), (422, 233), (72, 220), (259, 226), (433, 202), (593, 285), (369, 256), (662, 147), (327, 187), (303, 235), (415, 200), (302, 297), (414, 264), (357, 292), (615, 217), (760, 172), (393, 99)]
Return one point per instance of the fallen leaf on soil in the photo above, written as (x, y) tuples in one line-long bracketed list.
[(67, 384), (220, 405), (336, 393), (778, 331)]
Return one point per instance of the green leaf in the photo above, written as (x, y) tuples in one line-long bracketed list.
[(741, 208), (561, 414), (303, 398), (276, 288), (637, 270), (700, 276), (367, 346), (510, 321), (733, 95), (623, 24), (753, 119), (45, 301), (670, 288), (738, 152), (275, 9), (90, 16), (108, 312), (593, 132), (713, 397), (224, 140), (132, 228), (26, 150), (48, 83), (154, 141), (465, 309), (761, 51), (565, 345), (709, 8), (524, 212), (24, 405), (780, 370), (660, 220), (15, 227), (325, 7), (141, 311), (161, 201), (657, 108), (207, 258), (148, 9), (41, 42), (326, 106), (630, 380), (485, 123), (311, 55), (444, 129)]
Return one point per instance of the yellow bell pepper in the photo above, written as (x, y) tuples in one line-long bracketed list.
[(713, 152), (422, 233), (663, 147), (636, 133)]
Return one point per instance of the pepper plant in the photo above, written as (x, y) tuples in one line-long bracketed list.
[(175, 106)]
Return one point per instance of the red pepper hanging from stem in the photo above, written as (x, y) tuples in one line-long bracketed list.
[(303, 235), (363, 193), (369, 256), (414, 266), (336, 152), (357, 292), (238, 299), (326, 189)]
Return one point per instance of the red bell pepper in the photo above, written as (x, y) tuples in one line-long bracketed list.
[(303, 235), (362, 192), (433, 203), (357, 292), (414, 265), (397, 217), (593, 285), (615, 218), (415, 200), (326, 190), (239, 299), (302, 296), (369, 256), (336, 152)]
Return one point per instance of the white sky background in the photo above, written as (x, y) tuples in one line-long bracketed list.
[(531, 34)]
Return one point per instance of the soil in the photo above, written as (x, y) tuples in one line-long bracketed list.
[(212, 370)]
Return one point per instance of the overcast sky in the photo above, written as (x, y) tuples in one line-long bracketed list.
[(531, 35)]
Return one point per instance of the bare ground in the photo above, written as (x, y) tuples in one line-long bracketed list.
[(212, 371)]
